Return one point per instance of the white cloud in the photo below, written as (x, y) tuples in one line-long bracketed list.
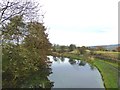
[(82, 22), (82, 38)]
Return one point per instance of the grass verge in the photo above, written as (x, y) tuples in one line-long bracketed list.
[(109, 73)]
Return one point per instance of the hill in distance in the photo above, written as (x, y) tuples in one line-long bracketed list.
[(108, 47)]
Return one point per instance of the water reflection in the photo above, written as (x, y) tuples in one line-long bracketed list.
[(77, 62), (58, 59), (72, 61), (62, 59), (55, 58), (92, 67), (70, 73), (82, 63)]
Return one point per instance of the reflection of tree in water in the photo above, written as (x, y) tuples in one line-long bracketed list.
[(92, 67), (62, 59), (55, 58), (72, 61), (82, 63)]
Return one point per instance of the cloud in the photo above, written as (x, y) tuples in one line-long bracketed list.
[(87, 22), (82, 38)]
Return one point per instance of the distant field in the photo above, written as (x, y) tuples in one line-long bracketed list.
[(111, 52), (108, 54)]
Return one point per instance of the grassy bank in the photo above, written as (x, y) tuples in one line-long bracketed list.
[(108, 54), (108, 70), (109, 73)]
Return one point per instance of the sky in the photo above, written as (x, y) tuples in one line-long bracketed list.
[(81, 22)]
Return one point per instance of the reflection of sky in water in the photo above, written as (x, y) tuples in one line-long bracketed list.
[(66, 75)]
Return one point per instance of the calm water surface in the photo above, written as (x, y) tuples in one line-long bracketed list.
[(68, 73)]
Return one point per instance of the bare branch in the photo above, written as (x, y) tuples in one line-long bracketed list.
[(28, 9)]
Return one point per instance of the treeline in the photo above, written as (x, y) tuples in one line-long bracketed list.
[(71, 48), (98, 52), (25, 47)]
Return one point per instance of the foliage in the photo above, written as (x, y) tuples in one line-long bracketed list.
[(14, 31), (62, 49), (25, 49), (72, 47), (101, 48), (118, 49), (37, 43), (82, 49)]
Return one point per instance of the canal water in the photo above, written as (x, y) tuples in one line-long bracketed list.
[(69, 73)]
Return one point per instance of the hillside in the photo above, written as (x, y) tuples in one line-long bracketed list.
[(108, 47)]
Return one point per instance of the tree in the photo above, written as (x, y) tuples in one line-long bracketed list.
[(55, 47), (11, 8), (25, 43), (13, 66), (37, 43), (118, 49), (21, 59), (14, 31), (62, 49), (72, 47), (82, 49), (101, 48)]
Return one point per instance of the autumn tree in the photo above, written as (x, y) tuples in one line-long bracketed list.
[(25, 50), (24, 42), (37, 47), (13, 61), (14, 31), (37, 43)]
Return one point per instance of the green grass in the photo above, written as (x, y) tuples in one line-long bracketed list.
[(110, 74), (70, 55), (111, 52), (108, 53), (113, 64)]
